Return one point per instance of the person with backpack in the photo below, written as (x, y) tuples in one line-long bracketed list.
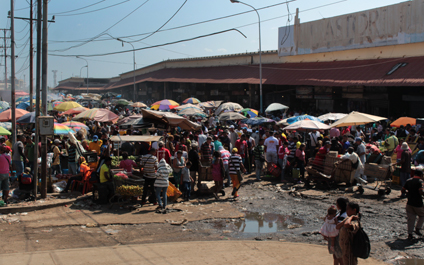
[(348, 228)]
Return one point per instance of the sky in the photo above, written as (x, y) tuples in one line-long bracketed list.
[(81, 25)]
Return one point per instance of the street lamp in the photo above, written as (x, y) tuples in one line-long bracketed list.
[(87, 70), (81, 69), (135, 97), (260, 50)]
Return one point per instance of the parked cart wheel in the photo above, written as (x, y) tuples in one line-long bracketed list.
[(388, 191), (360, 190), (381, 193)]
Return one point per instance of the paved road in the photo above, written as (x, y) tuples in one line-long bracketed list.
[(214, 252)]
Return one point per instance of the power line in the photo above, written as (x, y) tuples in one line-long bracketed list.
[(178, 27), (163, 24), (102, 33), (92, 11), (150, 47), (69, 11)]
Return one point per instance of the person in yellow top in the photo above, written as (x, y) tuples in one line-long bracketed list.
[(106, 176), (56, 169), (95, 144), (9, 143)]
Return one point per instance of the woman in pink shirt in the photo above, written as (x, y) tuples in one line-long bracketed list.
[(127, 164), (283, 151), (300, 160), (399, 150)]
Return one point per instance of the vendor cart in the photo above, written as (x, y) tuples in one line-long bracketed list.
[(125, 197)]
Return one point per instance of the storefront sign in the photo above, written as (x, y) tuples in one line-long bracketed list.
[(304, 91)]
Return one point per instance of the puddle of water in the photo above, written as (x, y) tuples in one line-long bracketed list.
[(265, 223), (411, 262)]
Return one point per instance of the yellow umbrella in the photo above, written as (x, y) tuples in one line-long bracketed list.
[(67, 106)]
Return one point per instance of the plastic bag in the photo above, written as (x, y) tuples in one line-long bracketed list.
[(59, 186)]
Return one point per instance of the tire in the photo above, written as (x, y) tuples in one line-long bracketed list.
[(381, 193), (388, 191), (360, 190)]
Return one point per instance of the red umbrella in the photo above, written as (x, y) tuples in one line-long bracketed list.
[(7, 114), (21, 93), (76, 110)]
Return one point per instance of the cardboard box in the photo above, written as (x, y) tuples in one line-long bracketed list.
[(376, 171)]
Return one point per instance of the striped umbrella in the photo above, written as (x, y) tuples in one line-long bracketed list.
[(192, 101), (75, 124), (253, 113), (165, 104), (60, 129)]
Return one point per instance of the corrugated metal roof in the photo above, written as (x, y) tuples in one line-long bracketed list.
[(336, 73)]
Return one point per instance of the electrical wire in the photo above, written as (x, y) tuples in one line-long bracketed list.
[(70, 11), (26, 25), (102, 33), (150, 47), (163, 24), (179, 27), (92, 11)]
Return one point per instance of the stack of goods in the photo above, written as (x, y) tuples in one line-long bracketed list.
[(126, 190)]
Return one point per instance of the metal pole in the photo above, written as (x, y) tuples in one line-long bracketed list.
[(43, 189), (87, 70), (37, 93), (260, 50), (12, 68), (81, 69), (5, 61), (31, 60), (135, 98)]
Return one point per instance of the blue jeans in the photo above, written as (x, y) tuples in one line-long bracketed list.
[(72, 166), (19, 167), (187, 189), (258, 164), (404, 176), (158, 190)]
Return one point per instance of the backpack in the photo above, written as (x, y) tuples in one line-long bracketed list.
[(26, 179), (361, 246)]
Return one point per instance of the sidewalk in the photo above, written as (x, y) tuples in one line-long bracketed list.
[(214, 252)]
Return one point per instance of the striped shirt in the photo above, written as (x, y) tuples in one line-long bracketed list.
[(225, 155), (234, 163), (72, 153), (292, 149), (206, 151), (149, 162), (162, 175)]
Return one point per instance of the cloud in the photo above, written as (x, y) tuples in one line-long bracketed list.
[(222, 50), (208, 50)]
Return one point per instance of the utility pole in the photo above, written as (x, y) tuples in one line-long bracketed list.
[(44, 100), (12, 68), (37, 93), (31, 60), (54, 78), (5, 58)]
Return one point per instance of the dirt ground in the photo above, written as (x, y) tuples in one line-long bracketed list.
[(265, 211)]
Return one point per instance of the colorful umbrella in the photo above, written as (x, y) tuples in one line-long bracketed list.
[(188, 106), (139, 105), (73, 124), (253, 113), (302, 117), (7, 114), (192, 101), (190, 111), (101, 115), (3, 131), (21, 93), (165, 104), (308, 125), (403, 121), (64, 106), (23, 105), (56, 103), (77, 110), (60, 129)]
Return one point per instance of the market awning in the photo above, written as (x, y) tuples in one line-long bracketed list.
[(172, 119)]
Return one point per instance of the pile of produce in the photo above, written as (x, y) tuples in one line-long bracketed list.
[(120, 176), (126, 190), (63, 176), (117, 159)]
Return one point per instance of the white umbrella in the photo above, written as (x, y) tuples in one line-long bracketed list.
[(332, 116), (229, 106), (189, 105), (276, 106), (283, 122), (357, 118), (227, 116), (308, 125)]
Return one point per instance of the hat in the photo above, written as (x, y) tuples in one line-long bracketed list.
[(244, 128), (56, 141), (405, 146), (160, 143), (95, 138), (358, 139), (7, 149), (231, 126), (235, 150), (27, 169)]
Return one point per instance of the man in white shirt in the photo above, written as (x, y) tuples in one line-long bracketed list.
[(314, 135), (233, 137), (358, 167), (271, 149)]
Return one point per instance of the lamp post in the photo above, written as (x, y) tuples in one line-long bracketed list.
[(135, 97), (260, 50), (81, 69), (87, 70)]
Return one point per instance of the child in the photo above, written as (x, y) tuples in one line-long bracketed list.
[(186, 180), (26, 184), (328, 229), (217, 173)]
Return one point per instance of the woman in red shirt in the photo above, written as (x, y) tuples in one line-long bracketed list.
[(300, 160)]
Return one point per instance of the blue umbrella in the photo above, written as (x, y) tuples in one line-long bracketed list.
[(23, 105), (27, 118), (257, 121), (301, 118)]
